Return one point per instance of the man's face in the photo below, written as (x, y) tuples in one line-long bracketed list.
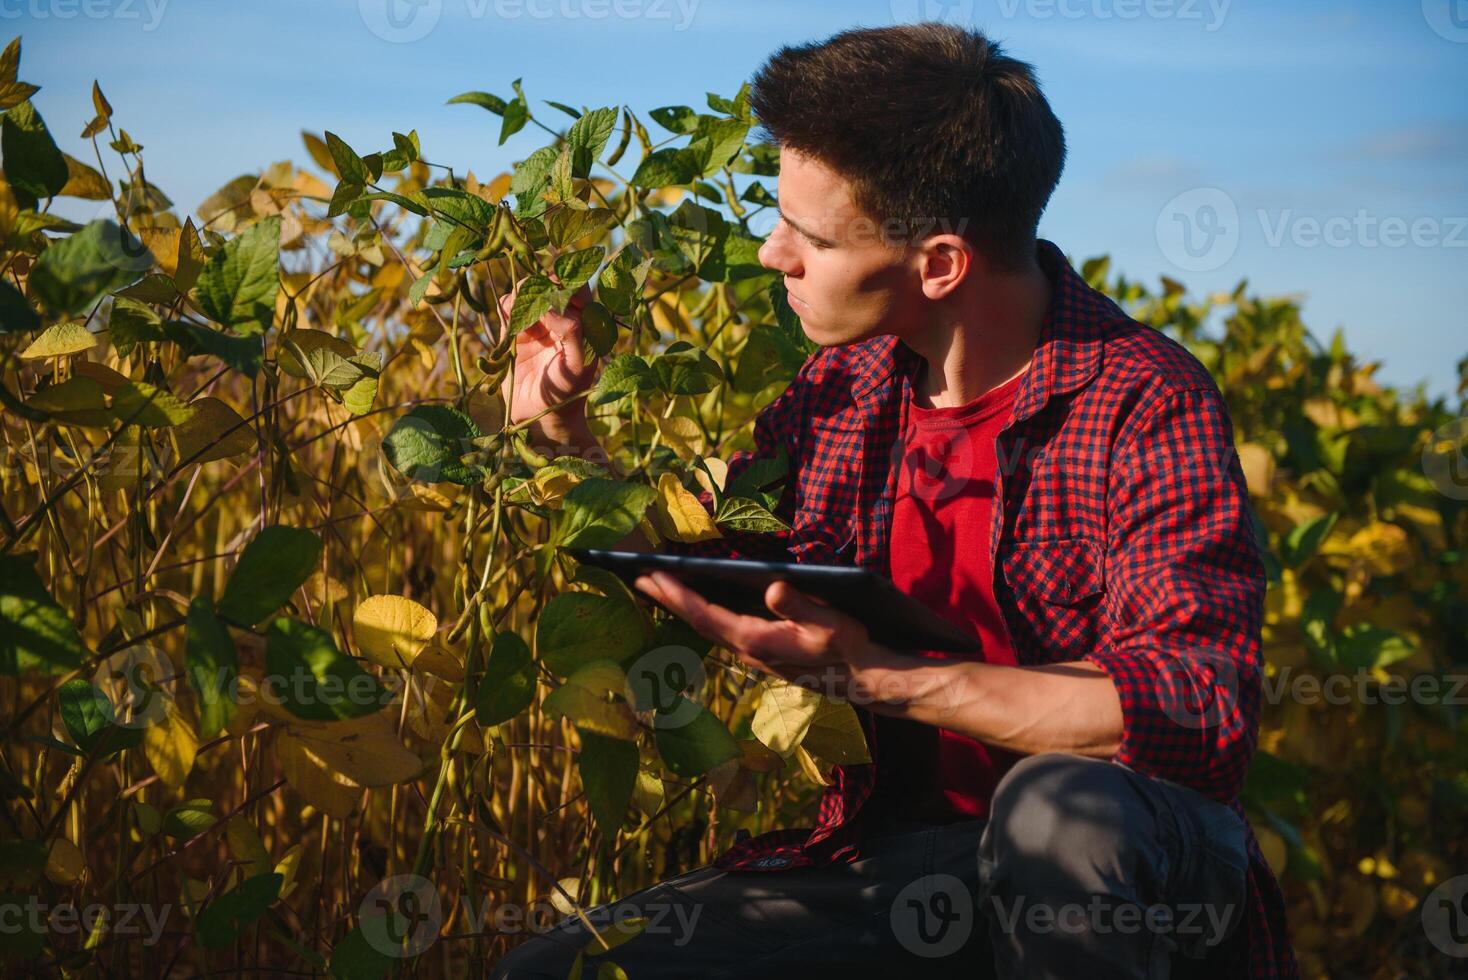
[(846, 283)]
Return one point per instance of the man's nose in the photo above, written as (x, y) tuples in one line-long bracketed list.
[(776, 254)]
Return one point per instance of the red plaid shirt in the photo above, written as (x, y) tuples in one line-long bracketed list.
[(1121, 535)]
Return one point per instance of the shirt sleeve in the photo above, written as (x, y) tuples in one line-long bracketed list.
[(775, 428), (1185, 597)]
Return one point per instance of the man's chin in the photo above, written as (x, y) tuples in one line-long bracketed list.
[(832, 338)]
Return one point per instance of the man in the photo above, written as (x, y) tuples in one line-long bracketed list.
[(1011, 448)]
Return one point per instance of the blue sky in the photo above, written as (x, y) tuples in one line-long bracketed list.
[(1316, 148)]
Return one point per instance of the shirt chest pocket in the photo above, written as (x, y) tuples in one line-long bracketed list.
[(1057, 587)]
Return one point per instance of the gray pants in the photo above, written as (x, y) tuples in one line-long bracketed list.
[(1084, 869)]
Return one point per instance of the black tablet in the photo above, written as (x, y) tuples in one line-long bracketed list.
[(892, 617)]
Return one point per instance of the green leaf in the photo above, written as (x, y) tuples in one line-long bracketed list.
[(132, 323), (696, 746), (426, 444), (567, 225), (356, 958), (743, 514), (1363, 646), (76, 401), (508, 685), (85, 711), (460, 207), (588, 138), (239, 285), (34, 167), (315, 680), (725, 137), (676, 119), (624, 375), (35, 632), (212, 665), (623, 279), (667, 167), (575, 269), (189, 819), (597, 513), (220, 923), (599, 328), (608, 768), (349, 166), (273, 565), (139, 403), (16, 315), (484, 100), (1304, 540), (577, 628), (536, 296), (683, 369), (242, 354), (74, 271)]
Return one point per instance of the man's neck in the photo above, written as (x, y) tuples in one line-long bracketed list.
[(978, 343)]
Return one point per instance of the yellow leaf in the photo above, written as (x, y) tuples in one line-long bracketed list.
[(681, 434), (60, 340), (718, 468), (835, 734), (1258, 465), (363, 750), (216, 431), (784, 714), (680, 516), (647, 793), (64, 862), (1384, 548), (76, 401), (811, 768), (170, 745), (163, 243), (586, 699), (391, 630), (84, 182), (441, 661), (308, 341), (245, 845), (287, 867), (1273, 846), (312, 776)]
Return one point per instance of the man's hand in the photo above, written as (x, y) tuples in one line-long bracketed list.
[(550, 368), (811, 643)]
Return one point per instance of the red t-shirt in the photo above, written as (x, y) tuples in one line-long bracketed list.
[(940, 555)]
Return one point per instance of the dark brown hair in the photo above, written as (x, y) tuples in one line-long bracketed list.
[(929, 122)]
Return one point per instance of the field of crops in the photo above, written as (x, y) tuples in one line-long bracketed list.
[(288, 637)]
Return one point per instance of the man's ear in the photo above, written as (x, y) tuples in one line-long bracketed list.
[(945, 262)]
